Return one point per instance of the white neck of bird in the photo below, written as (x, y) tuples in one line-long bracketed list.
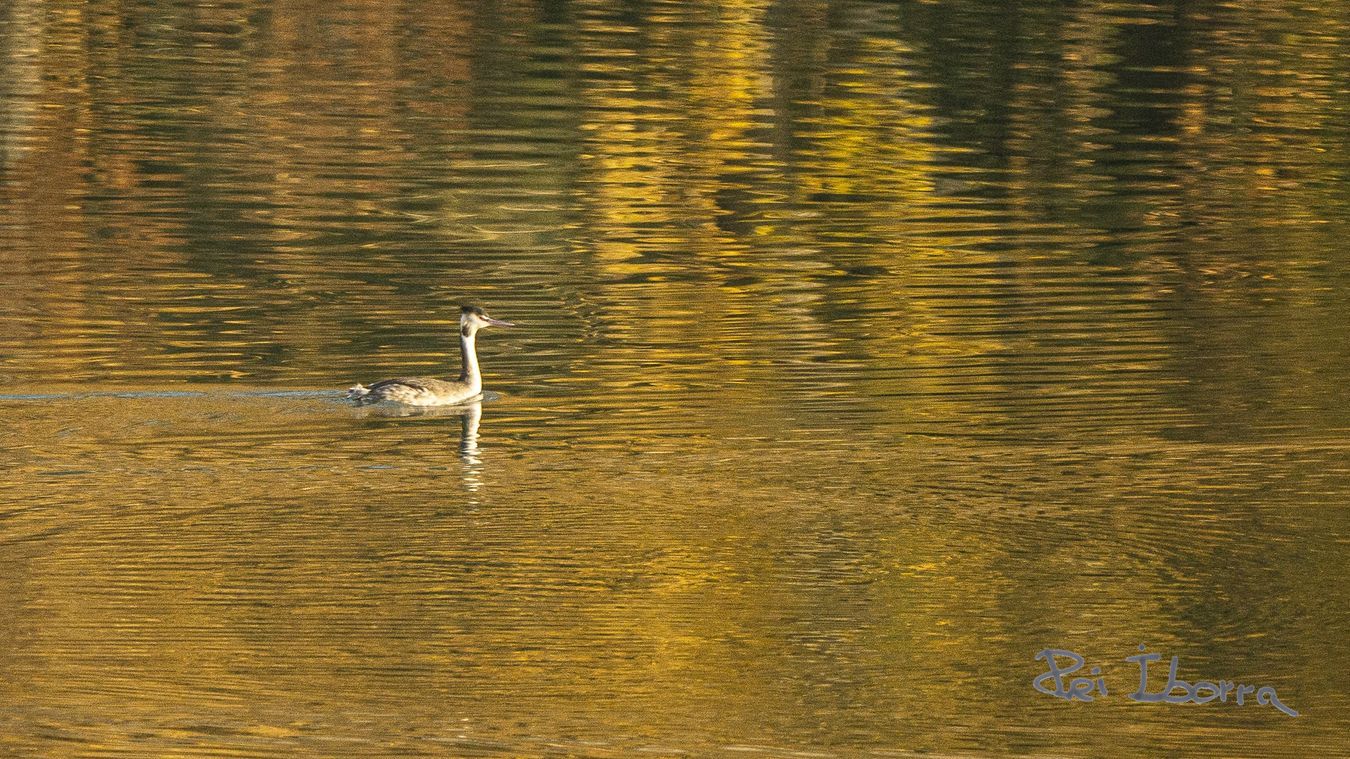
[(468, 359)]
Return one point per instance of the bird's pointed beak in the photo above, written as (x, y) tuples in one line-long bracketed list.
[(498, 322)]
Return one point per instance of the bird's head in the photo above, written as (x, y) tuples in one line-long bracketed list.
[(473, 318)]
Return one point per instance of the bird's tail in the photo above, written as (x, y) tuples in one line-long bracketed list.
[(357, 392)]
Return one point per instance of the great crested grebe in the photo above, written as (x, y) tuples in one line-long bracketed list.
[(426, 391)]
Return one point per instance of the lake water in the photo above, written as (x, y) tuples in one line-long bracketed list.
[(865, 350)]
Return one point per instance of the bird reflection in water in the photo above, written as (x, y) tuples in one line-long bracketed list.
[(469, 416)]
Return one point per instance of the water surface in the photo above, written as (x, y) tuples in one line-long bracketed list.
[(866, 349)]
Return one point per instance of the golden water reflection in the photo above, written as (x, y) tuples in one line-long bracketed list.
[(866, 350)]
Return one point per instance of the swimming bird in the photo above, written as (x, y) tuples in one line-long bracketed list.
[(427, 391)]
